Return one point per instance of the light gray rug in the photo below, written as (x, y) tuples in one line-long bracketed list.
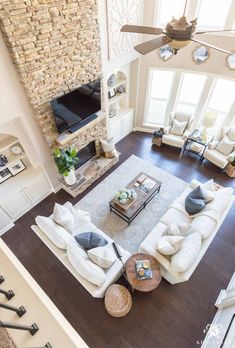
[(96, 202)]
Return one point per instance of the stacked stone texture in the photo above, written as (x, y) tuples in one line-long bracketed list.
[(55, 48)]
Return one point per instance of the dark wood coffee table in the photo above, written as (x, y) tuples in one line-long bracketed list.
[(139, 204), (145, 285)]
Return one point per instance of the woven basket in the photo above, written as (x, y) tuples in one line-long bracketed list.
[(230, 170), (118, 301)]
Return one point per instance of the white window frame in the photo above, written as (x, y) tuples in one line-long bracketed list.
[(203, 102), (148, 97)]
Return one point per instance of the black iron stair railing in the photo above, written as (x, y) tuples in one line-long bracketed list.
[(9, 294), (20, 311), (32, 329)]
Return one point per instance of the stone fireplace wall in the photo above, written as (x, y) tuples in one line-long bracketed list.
[(55, 47)]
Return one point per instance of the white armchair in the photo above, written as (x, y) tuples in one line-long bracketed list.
[(178, 130), (215, 154)]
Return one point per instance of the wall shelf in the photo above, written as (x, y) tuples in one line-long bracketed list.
[(116, 98)]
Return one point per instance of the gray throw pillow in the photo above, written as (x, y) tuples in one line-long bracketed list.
[(195, 201), (90, 240)]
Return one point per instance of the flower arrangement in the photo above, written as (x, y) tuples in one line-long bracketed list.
[(124, 195)]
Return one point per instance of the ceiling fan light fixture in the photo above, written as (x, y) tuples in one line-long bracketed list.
[(178, 44)]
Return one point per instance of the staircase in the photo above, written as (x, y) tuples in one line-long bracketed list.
[(27, 314), (5, 339)]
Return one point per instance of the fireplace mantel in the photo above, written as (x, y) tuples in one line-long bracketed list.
[(91, 129)]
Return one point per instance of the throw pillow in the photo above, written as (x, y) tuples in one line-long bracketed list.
[(108, 145), (195, 201), (169, 245), (208, 190), (102, 256), (178, 229), (178, 128), (90, 240), (63, 217), (225, 146), (80, 216)]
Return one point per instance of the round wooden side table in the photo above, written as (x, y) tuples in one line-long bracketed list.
[(145, 285), (118, 301)]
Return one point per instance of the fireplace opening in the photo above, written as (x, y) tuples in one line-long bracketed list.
[(86, 154)]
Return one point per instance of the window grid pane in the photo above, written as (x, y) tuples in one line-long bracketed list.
[(156, 112), (191, 88), (223, 95), (161, 84), (213, 14), (169, 8)]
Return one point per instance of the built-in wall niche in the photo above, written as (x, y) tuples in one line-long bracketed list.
[(21, 185), (13, 159), (121, 115)]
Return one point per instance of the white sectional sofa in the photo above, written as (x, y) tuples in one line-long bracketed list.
[(74, 258), (204, 226)]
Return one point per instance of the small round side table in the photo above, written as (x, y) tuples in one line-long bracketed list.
[(145, 285), (118, 301)]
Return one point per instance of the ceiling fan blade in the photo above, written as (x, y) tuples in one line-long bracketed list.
[(212, 46), (213, 31), (128, 28), (152, 45)]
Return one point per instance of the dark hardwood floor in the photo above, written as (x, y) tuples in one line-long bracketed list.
[(173, 316)]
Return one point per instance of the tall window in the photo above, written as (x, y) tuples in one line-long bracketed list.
[(221, 101), (169, 8), (213, 13), (158, 95), (190, 92)]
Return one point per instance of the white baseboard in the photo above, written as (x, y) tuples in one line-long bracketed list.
[(57, 188), (6, 228), (142, 129)]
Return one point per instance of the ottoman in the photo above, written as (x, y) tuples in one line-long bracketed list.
[(118, 301)]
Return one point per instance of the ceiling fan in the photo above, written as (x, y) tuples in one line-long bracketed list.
[(178, 33)]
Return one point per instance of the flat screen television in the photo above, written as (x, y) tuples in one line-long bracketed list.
[(77, 108)]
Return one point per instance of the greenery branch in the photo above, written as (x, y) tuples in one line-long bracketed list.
[(65, 160)]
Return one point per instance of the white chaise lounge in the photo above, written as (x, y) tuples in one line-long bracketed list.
[(207, 223), (64, 247)]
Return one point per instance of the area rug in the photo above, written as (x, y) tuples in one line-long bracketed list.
[(96, 202)]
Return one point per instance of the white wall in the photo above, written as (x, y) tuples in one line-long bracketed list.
[(16, 116)]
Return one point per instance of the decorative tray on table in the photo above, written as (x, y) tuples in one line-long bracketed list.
[(143, 270)]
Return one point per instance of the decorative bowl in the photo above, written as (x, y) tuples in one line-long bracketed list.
[(125, 195)]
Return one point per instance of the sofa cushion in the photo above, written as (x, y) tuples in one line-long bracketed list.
[(221, 200), (56, 233), (185, 257), (102, 256), (178, 229), (175, 215), (195, 201), (216, 157), (178, 127), (90, 240), (84, 267), (169, 245), (225, 146), (203, 224), (63, 217)]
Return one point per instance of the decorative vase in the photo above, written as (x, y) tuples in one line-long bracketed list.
[(71, 178), (111, 80)]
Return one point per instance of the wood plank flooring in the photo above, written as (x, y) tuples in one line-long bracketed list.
[(173, 316)]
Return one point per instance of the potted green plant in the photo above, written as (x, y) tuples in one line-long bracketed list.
[(65, 160)]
